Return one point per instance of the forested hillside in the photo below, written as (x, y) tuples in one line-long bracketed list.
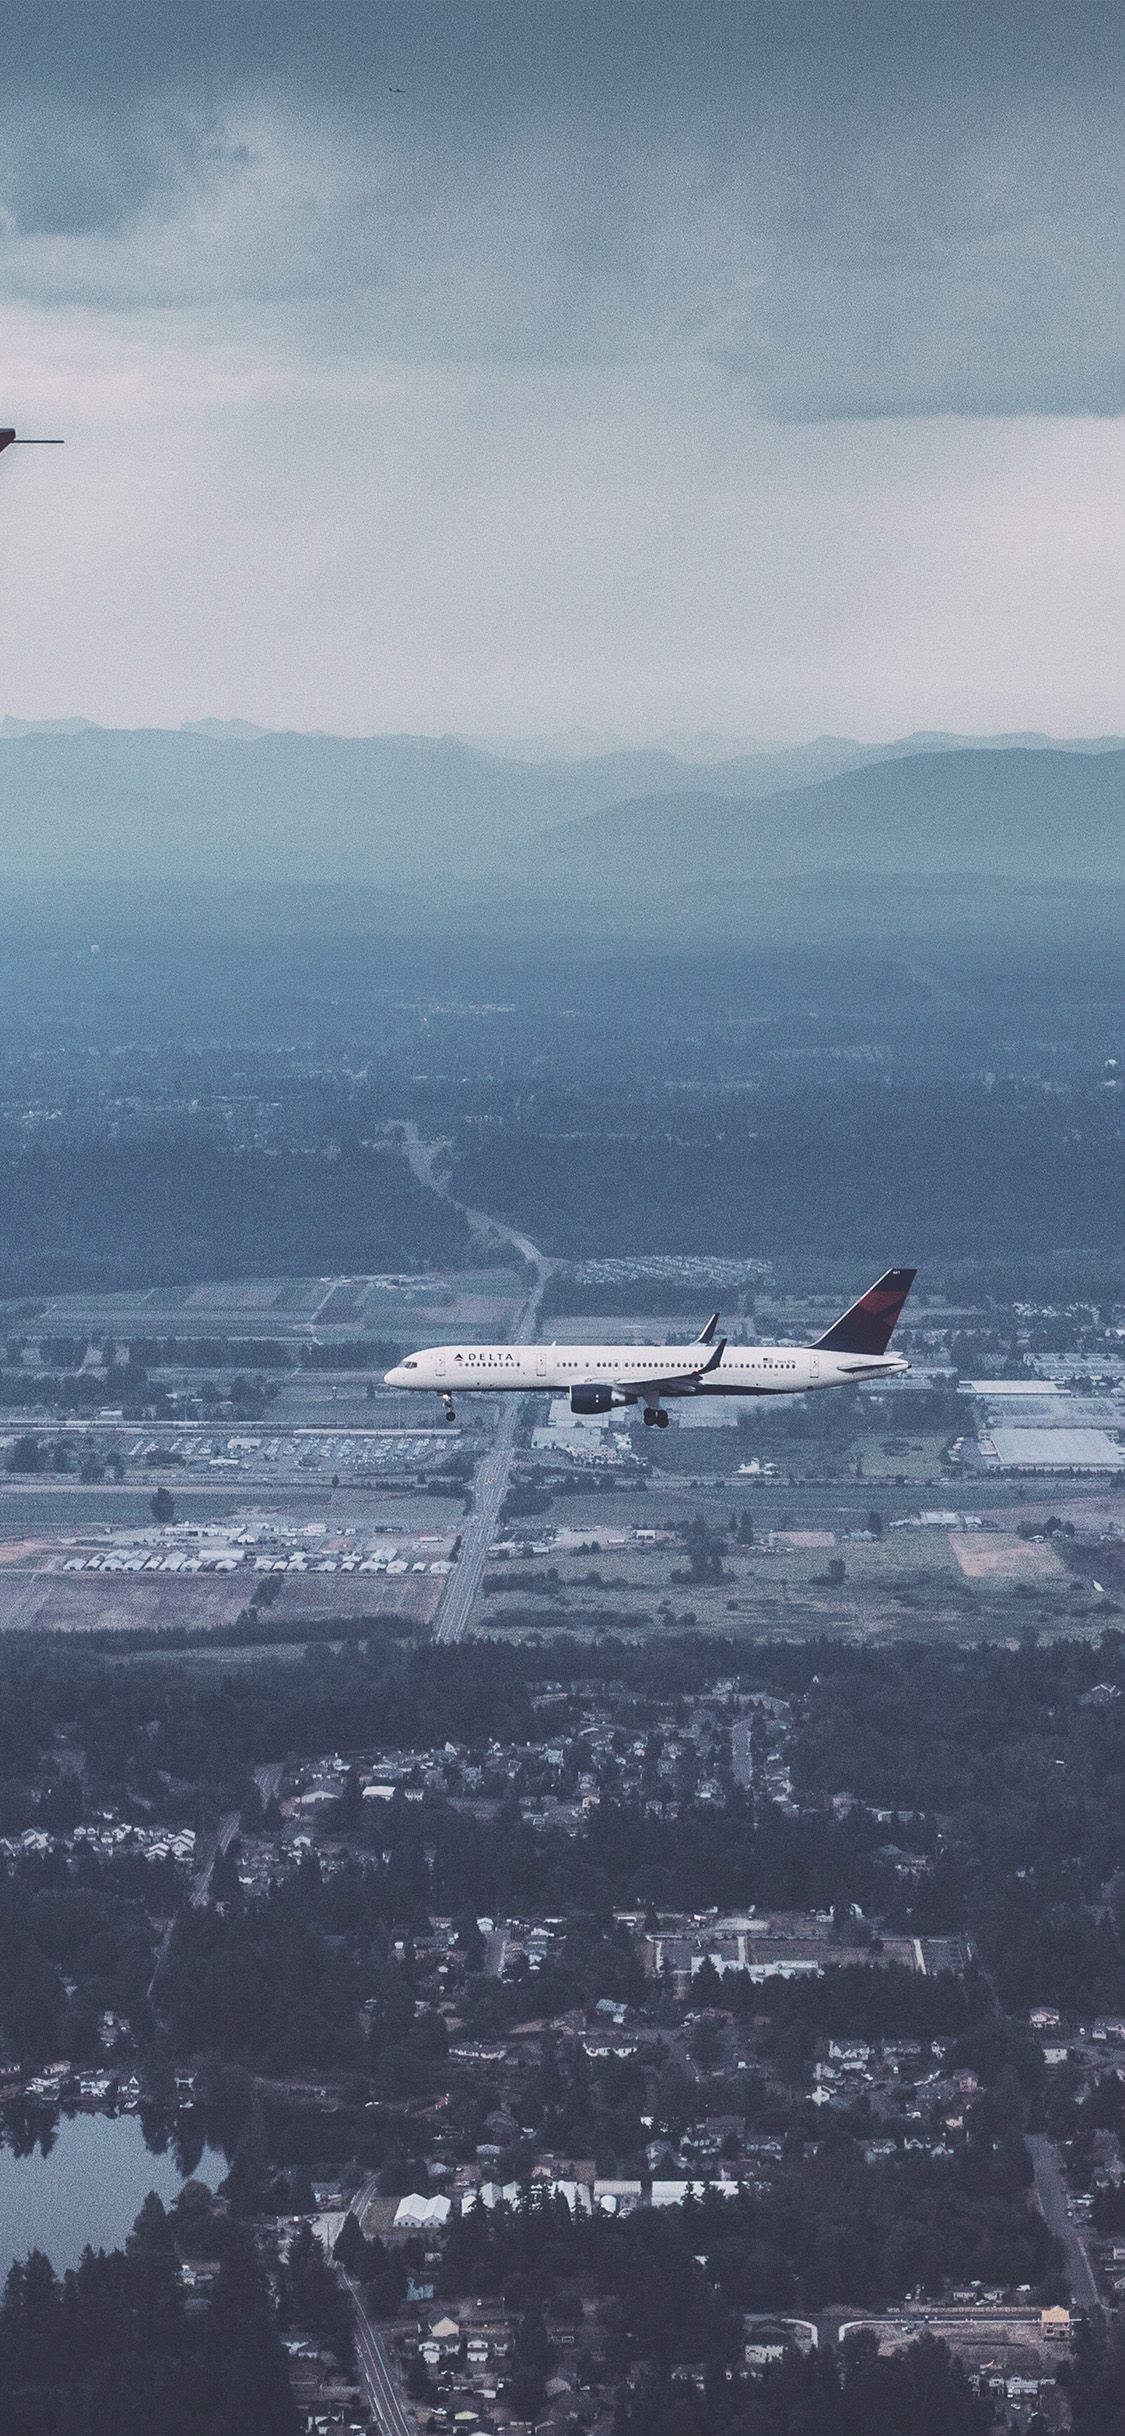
[(176, 1207)]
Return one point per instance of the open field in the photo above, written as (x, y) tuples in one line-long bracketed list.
[(213, 1654), (32, 1507), (472, 1300), (914, 1455), (1001, 1557), (879, 1459), (52, 1602), (320, 1598), (905, 1584), (194, 1573), (31, 1511), (157, 1602)]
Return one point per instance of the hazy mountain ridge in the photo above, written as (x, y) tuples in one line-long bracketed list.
[(1023, 815), (387, 811), (435, 817)]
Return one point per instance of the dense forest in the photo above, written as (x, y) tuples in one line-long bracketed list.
[(112, 2346), (807, 1164), (921, 2391), (200, 1107), (182, 1204), (829, 2230)]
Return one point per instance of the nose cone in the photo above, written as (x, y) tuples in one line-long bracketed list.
[(395, 1377)]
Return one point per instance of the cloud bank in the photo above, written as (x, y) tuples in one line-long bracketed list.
[(500, 365), (848, 211)]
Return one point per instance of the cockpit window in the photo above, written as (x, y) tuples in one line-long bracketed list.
[(410, 1365)]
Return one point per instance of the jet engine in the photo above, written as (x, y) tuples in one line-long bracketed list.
[(592, 1397)]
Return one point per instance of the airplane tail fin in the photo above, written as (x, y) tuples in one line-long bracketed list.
[(870, 1324), (706, 1335)]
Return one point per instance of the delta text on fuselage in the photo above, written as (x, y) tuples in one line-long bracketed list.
[(598, 1377)]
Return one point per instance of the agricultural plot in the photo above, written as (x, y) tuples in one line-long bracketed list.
[(914, 1455), (242, 1294), (321, 1598), (463, 1302), (76, 1603), (1001, 1556)]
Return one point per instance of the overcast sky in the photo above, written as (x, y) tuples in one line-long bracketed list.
[(513, 366)]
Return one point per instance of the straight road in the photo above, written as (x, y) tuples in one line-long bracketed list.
[(741, 1755), (221, 1842), (495, 1949), (1050, 2191), (493, 1472), (489, 1491), (224, 1835), (378, 2375), (362, 2199)]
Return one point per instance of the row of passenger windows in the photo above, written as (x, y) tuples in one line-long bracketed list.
[(484, 1361)]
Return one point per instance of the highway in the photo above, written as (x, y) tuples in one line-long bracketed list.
[(378, 2375), (1050, 2191), (491, 1482), (489, 1490)]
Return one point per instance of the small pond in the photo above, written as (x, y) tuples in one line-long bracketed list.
[(89, 2186)]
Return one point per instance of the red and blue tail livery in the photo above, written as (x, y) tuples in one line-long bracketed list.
[(871, 1322)]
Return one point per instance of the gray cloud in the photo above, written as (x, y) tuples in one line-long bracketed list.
[(853, 212)]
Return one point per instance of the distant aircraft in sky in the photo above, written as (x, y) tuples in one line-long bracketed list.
[(598, 1377), (15, 439)]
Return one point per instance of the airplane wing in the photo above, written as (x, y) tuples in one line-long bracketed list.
[(681, 1382)]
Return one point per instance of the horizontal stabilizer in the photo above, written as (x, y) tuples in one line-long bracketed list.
[(870, 1324)]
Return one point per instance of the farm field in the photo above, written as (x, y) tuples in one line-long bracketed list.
[(44, 1601), (321, 1599), (333, 1307), (53, 1602)]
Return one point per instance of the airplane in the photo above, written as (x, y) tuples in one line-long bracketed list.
[(599, 1377), (14, 439)]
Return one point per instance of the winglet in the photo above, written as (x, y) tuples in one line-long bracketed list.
[(870, 1323), (706, 1335), (715, 1360)]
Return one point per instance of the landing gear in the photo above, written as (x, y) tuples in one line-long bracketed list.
[(662, 1420), (655, 1416), (447, 1402)]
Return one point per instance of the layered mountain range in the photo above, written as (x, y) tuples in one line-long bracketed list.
[(640, 838)]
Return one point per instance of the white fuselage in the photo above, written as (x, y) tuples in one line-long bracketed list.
[(636, 1373)]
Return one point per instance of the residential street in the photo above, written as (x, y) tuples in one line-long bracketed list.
[(1050, 2190)]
